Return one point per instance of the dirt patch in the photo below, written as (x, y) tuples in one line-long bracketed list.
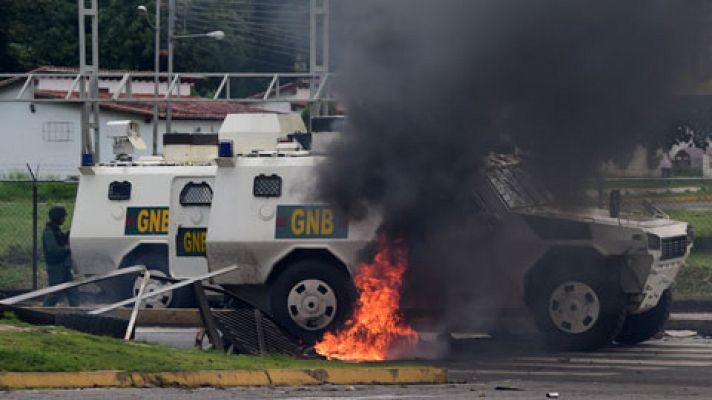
[(10, 328)]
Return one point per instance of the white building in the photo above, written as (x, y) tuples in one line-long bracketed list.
[(294, 95), (47, 135)]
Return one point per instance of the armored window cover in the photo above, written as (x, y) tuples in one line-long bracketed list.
[(267, 186), (196, 194), (120, 190)]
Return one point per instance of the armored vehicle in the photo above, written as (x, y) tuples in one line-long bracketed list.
[(588, 276)]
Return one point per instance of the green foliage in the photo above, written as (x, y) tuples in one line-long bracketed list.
[(126, 38), (46, 191), (53, 349), (259, 37), (40, 32)]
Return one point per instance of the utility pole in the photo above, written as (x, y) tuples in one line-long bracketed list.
[(319, 21), (171, 33), (90, 109), (156, 80)]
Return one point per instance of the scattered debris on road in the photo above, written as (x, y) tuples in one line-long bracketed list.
[(680, 333)]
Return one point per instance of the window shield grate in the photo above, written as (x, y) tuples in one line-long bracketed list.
[(120, 190), (673, 247), (196, 194), (267, 186)]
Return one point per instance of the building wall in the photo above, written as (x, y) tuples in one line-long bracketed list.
[(638, 166), (50, 137)]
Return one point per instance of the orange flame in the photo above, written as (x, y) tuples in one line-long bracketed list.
[(377, 331)]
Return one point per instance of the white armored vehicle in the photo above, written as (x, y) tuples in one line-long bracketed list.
[(588, 276), (294, 253), (152, 211)]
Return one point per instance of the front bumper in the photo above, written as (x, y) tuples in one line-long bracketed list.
[(661, 276)]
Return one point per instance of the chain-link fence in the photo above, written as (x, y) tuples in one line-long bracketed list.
[(23, 213), (682, 199)]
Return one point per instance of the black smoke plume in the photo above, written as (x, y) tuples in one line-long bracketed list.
[(430, 87)]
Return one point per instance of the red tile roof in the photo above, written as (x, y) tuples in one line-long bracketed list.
[(212, 110)]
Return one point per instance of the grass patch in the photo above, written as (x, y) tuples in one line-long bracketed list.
[(695, 279), (20, 276), (46, 191), (632, 183), (55, 349), (700, 219), (16, 228)]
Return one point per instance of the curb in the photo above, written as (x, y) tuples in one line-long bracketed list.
[(278, 377), (686, 199), (692, 305)]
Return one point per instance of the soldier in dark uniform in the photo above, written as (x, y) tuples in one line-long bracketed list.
[(57, 256)]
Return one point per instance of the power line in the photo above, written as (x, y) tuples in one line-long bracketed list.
[(254, 15), (289, 30)]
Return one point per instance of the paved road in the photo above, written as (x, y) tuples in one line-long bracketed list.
[(663, 360), (498, 369)]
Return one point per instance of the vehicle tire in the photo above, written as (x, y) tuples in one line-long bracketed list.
[(311, 297), (641, 327), (157, 265), (578, 307)]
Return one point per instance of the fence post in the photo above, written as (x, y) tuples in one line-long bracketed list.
[(600, 189), (34, 228)]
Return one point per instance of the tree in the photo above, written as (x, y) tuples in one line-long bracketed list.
[(126, 40), (267, 35), (40, 32)]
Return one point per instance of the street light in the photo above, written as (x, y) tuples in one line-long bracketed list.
[(217, 35), (156, 66)]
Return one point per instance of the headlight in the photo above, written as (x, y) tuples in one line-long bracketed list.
[(690, 234), (653, 242)]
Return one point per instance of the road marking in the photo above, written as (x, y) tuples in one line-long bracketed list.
[(706, 345), (650, 357), (639, 356), (635, 350), (533, 373), (590, 360), (375, 397), (581, 366)]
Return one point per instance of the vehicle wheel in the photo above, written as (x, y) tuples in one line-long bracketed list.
[(310, 298), (579, 308), (641, 327), (157, 265)]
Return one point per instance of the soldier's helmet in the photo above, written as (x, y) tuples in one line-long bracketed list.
[(57, 213)]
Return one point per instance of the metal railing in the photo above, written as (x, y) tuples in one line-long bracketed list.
[(123, 92)]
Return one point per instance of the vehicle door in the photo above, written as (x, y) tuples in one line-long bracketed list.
[(191, 199)]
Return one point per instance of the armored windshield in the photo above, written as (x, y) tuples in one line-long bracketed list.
[(517, 188)]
